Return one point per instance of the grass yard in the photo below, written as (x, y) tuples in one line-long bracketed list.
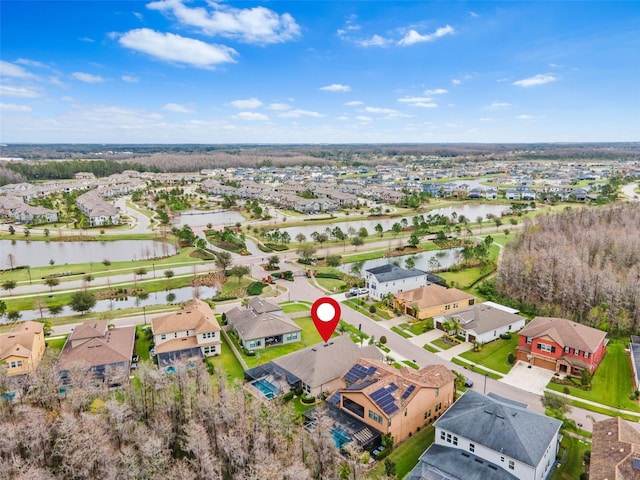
[(475, 368), (331, 284), (406, 454), (494, 354), (310, 336), (431, 349), (295, 307), (401, 332), (142, 343), (438, 342), (411, 364), (420, 327), (571, 467), (612, 383), (228, 362), (56, 343)]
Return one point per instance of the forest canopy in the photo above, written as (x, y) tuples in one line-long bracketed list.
[(582, 264)]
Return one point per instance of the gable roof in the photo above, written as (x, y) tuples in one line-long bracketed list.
[(196, 315), (431, 296), (500, 426), (259, 305), (251, 325), (389, 388), (391, 272), (116, 346), (324, 362), (565, 333), (614, 445), (19, 341), (87, 330), (481, 318)]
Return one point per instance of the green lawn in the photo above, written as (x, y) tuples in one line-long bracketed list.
[(494, 354), (612, 383), (411, 364), (310, 336), (401, 332), (142, 344), (571, 467), (475, 368), (331, 284), (56, 343), (438, 342), (295, 307), (420, 327), (406, 454), (429, 348), (228, 362)]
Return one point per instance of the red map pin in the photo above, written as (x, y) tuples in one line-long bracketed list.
[(325, 312)]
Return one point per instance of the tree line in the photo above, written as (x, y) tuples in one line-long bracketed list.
[(582, 264), (186, 425)]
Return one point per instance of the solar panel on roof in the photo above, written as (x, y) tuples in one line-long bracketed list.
[(391, 409), (392, 387), (335, 398), (408, 392), (372, 370), (356, 373)]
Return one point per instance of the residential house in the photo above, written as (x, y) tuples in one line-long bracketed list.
[(22, 348), (390, 278), (564, 346), (395, 402), (488, 437), (615, 450), (14, 207), (103, 352), (316, 369), (634, 350), (482, 322), (98, 211), (262, 324), (191, 332), (431, 300)]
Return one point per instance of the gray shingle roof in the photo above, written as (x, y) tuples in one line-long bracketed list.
[(322, 363), (500, 426), (481, 318), (251, 325), (446, 463), (391, 272)]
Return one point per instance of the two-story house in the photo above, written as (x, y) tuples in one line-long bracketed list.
[(490, 437), (191, 332), (390, 278), (431, 300), (395, 402), (561, 345), (22, 348)]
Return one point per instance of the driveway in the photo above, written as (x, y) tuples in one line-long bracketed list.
[(526, 377), (455, 351)]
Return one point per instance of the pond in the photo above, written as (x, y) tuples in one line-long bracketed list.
[(200, 218), (183, 294), (427, 261), (38, 253), (469, 210)]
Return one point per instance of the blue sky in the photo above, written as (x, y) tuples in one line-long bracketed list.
[(178, 71)]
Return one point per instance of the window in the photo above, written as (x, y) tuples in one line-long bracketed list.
[(19, 363), (437, 392), (442, 435), (512, 465), (576, 351), (567, 349), (438, 407), (447, 307), (375, 417), (455, 305), (586, 354), (502, 459), (13, 364), (455, 440), (427, 414), (448, 438), (546, 348), (472, 447), (529, 339), (163, 337)]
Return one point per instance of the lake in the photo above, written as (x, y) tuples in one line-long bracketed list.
[(200, 218), (471, 211), (183, 294), (38, 253), (427, 261)]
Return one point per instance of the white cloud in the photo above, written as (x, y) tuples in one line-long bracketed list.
[(176, 108), (524, 117), (486, 119), (9, 107), (87, 77), (21, 92), (498, 105), (362, 118), (300, 113), (353, 103), (86, 40), (437, 91), (252, 25), (279, 106), (246, 103), (175, 48), (130, 79), (250, 116), (375, 41), (10, 70), (539, 79), (413, 37), (380, 110), (423, 102), (336, 87), (456, 81)]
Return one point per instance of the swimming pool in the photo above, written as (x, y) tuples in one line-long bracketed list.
[(340, 437), (267, 388)]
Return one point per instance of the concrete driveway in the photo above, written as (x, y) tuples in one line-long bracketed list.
[(531, 379)]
